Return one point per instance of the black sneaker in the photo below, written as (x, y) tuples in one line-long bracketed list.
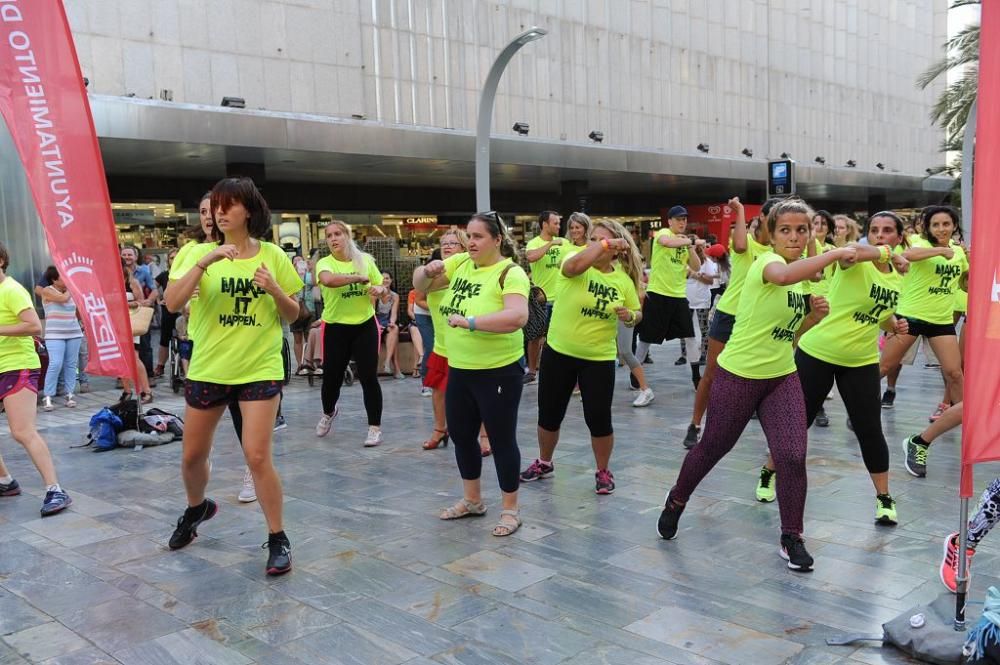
[(604, 482), (55, 501), (793, 550), (888, 398), (691, 438), (13, 488), (648, 360), (681, 361), (279, 558), (187, 524), (666, 526), (821, 419)]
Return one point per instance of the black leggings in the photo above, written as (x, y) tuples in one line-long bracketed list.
[(859, 388), (596, 379), (167, 322), (489, 397), (237, 416), (342, 343)]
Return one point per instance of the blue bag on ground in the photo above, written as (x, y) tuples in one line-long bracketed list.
[(104, 428)]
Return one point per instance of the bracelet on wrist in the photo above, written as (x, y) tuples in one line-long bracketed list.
[(605, 244), (472, 323), (203, 268)]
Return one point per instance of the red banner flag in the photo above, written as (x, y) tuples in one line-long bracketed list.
[(44, 102), (981, 413)]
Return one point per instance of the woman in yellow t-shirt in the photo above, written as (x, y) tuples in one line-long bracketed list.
[(843, 348), (927, 300), (452, 242), (486, 303), (20, 371), (597, 289), (350, 281), (245, 287), (757, 373), (578, 227)]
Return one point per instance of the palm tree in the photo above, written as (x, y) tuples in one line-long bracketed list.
[(951, 110)]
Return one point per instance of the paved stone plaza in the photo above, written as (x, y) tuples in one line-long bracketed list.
[(379, 580)]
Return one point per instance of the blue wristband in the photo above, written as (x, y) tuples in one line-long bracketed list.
[(472, 324)]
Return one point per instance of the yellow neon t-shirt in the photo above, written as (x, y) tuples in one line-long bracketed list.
[(861, 298), (584, 323), (822, 287), (348, 304), (16, 353), (766, 322), (740, 265), (929, 286), (476, 291), (668, 267), (545, 271), (439, 320), (237, 331), (961, 300)]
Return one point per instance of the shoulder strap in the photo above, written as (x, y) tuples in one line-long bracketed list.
[(503, 275)]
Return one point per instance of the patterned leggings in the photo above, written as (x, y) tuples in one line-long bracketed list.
[(703, 317), (987, 515), (781, 409)]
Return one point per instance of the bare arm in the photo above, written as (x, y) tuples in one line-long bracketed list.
[(701, 277), (739, 232), (674, 241), (430, 277), (394, 312), (784, 274), (512, 317), (924, 253), (52, 294), (29, 324), (694, 263), (537, 253), (580, 262), (420, 300)]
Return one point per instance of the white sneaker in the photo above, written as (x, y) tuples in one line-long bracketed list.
[(326, 422), (70, 402), (645, 398), (249, 492), (47, 403), (426, 392), (374, 436)]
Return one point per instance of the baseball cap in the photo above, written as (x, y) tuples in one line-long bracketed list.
[(716, 251), (677, 211)]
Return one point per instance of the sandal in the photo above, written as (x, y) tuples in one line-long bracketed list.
[(303, 370), (463, 508), (146, 398), (318, 371), (507, 528), (487, 451), (440, 442)]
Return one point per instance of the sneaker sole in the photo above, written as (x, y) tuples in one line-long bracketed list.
[(766, 500), (944, 557), (885, 521), (50, 513), (906, 465), (13, 492), (194, 527), (888, 406), (243, 499), (541, 476), (604, 491), (792, 566), (273, 572), (372, 444)]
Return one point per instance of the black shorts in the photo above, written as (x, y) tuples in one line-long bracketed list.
[(559, 373), (920, 328), (205, 395), (665, 317), (184, 348), (301, 325), (721, 327)]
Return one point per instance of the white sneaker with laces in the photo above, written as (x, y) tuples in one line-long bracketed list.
[(70, 402), (47, 403), (326, 422), (249, 492), (645, 398), (374, 436), (426, 392)]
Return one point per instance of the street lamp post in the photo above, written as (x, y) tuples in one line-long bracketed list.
[(486, 100)]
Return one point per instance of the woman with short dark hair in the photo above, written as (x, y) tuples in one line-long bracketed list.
[(63, 337), (245, 286)]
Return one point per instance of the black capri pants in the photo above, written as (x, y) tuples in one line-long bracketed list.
[(490, 397), (555, 388), (343, 342), (859, 388)]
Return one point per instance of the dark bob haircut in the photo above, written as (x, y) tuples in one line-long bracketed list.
[(242, 190), (51, 274), (930, 211)]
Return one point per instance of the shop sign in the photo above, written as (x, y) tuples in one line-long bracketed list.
[(126, 216)]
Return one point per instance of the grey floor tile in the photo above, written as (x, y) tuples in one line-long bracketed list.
[(45, 641), (88, 656), (16, 614), (272, 617), (121, 623), (503, 572), (187, 647), (344, 644), (526, 638), (714, 638), (420, 636), (73, 530)]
